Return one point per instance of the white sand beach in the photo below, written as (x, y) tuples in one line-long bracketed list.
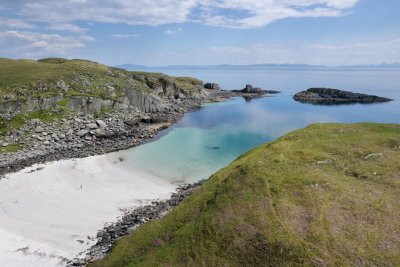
[(45, 212)]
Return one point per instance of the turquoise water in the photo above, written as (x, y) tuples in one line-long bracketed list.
[(208, 139)]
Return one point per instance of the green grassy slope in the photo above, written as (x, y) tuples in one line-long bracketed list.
[(20, 79), (279, 205), (64, 79)]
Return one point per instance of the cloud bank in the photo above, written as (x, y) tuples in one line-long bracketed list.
[(246, 13), (43, 27)]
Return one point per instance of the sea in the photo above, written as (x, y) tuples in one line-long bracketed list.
[(210, 138)]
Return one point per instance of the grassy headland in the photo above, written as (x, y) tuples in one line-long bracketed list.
[(20, 79), (326, 195), (56, 81)]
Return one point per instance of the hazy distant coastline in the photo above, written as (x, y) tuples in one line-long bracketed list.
[(266, 65)]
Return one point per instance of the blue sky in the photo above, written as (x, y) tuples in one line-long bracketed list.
[(166, 32)]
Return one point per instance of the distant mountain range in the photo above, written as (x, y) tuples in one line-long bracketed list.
[(267, 65)]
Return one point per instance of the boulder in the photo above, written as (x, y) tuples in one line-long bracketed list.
[(101, 123), (146, 119), (91, 126), (82, 132), (250, 89), (212, 86), (39, 129), (131, 121)]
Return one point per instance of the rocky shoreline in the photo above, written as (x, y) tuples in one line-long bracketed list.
[(83, 135), (129, 222)]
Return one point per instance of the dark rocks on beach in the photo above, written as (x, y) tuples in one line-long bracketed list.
[(130, 221), (328, 96), (212, 86), (132, 121)]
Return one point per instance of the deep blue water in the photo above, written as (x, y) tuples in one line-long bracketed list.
[(210, 138)]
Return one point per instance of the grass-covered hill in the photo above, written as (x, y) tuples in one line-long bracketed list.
[(55, 88), (326, 195), (51, 77)]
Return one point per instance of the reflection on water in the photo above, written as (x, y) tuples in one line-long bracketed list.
[(210, 138)]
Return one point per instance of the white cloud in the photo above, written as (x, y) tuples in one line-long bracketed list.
[(125, 36), (66, 27), (35, 44), (391, 44), (16, 23), (173, 31), (248, 13), (330, 54)]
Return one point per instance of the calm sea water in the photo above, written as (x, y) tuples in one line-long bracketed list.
[(206, 140)]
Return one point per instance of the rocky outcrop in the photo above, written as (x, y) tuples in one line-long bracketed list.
[(144, 102), (249, 89), (212, 86), (88, 87), (328, 96), (28, 105)]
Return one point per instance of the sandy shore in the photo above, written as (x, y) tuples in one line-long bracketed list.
[(51, 212)]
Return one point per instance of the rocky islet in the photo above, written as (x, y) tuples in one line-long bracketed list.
[(329, 96)]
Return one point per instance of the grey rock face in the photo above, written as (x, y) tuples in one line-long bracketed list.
[(89, 105), (328, 96), (31, 104), (144, 102)]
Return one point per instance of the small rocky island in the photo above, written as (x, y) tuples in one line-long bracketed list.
[(328, 96), (249, 89)]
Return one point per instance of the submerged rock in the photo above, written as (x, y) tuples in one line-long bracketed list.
[(328, 96)]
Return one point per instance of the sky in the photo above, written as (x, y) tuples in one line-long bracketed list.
[(203, 32)]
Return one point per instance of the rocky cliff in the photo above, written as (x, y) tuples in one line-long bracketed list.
[(85, 86)]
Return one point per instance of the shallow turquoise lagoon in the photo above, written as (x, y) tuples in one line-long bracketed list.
[(208, 139)]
